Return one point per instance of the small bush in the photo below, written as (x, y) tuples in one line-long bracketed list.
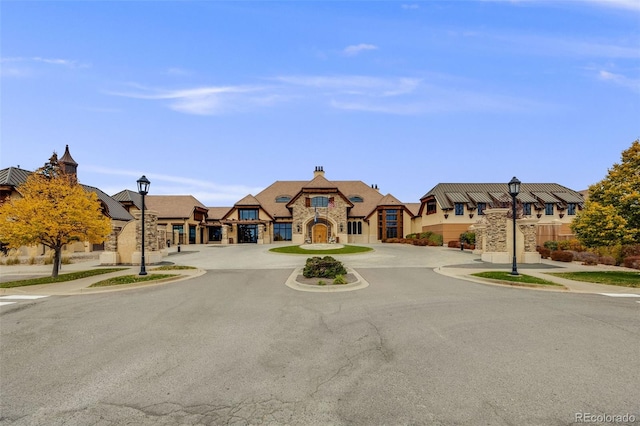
[(339, 279), (587, 258), (12, 261), (322, 282), (545, 253), (551, 245), (573, 245), (435, 240), (607, 260), (562, 256), (632, 262), (326, 267), (468, 237)]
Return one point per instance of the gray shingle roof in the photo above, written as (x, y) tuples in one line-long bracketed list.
[(15, 177)]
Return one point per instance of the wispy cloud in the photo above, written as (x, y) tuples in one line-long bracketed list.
[(208, 100), (405, 96), (26, 67), (620, 4), (392, 95), (51, 61), (617, 4), (620, 80), (163, 184), (356, 49)]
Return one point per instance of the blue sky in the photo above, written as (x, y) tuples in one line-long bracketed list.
[(220, 99)]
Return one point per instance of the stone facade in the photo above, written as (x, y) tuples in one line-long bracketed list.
[(494, 238)]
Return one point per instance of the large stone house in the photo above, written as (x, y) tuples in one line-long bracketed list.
[(449, 209), (313, 211)]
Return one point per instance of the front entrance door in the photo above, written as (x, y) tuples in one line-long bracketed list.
[(319, 233)]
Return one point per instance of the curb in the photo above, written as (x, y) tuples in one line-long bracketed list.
[(294, 284)]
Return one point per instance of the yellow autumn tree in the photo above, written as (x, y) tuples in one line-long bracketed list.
[(54, 210)]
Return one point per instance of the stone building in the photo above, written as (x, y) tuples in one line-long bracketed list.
[(450, 209), (315, 211)]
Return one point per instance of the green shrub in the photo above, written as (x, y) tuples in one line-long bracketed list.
[(468, 237), (435, 240), (326, 267), (551, 245), (339, 279), (562, 256)]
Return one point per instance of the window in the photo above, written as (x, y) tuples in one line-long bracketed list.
[(248, 214), (526, 209), (389, 223), (548, 209), (571, 209), (356, 199), (354, 227), (431, 207), (481, 207), (319, 202), (179, 229), (283, 199), (459, 209), (281, 232)]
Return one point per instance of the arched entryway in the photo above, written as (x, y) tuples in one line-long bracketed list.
[(319, 233)]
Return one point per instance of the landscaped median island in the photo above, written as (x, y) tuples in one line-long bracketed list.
[(60, 278), (522, 279), (619, 278), (135, 279), (325, 270), (347, 249)]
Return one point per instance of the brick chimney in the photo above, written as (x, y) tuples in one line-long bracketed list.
[(319, 171)]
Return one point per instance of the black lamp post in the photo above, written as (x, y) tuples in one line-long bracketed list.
[(143, 189), (514, 190)]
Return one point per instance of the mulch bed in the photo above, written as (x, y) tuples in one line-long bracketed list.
[(314, 281)]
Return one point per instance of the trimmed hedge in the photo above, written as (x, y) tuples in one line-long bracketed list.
[(325, 267), (632, 262), (562, 256)]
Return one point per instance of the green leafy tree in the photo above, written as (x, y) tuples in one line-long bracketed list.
[(612, 213), (53, 210)]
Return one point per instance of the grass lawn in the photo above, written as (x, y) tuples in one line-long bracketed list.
[(173, 268), (344, 250), (60, 278), (520, 279), (620, 278), (131, 279)]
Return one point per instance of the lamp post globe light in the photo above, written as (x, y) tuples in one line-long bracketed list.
[(143, 189), (514, 190)]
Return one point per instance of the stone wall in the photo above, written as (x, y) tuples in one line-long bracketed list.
[(303, 215), (496, 230)]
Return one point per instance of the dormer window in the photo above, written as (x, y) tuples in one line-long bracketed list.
[(356, 199), (283, 199)]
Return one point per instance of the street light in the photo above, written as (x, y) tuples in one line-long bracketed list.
[(143, 189), (514, 190)]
